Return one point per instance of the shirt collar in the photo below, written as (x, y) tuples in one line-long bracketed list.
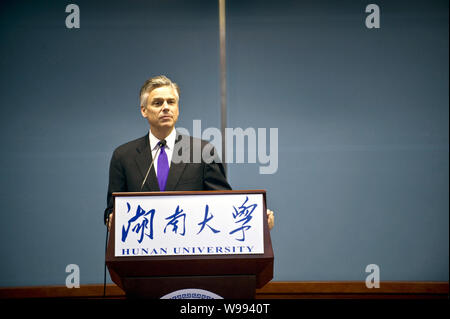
[(170, 139)]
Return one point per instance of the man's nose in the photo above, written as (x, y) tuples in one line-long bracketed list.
[(165, 105)]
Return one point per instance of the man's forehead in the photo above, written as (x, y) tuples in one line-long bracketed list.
[(163, 92)]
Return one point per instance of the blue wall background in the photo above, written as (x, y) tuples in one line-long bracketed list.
[(362, 116)]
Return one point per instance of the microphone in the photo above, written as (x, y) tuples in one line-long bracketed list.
[(160, 144)]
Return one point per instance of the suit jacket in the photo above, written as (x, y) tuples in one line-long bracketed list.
[(130, 162)]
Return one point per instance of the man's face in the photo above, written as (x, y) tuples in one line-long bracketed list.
[(161, 111)]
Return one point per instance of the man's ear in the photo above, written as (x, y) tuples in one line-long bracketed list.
[(143, 111)]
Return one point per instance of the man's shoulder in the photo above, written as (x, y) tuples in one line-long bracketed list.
[(192, 140), (196, 148), (131, 146)]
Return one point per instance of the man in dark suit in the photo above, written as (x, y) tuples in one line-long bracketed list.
[(131, 169)]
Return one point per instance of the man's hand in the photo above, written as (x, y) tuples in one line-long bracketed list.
[(109, 222), (270, 219)]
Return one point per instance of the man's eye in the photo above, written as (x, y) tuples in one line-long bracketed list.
[(156, 103)]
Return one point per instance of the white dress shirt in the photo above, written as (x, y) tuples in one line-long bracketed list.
[(168, 148)]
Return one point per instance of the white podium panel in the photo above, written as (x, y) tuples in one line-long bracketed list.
[(169, 225)]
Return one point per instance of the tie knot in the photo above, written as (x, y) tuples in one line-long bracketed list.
[(162, 143)]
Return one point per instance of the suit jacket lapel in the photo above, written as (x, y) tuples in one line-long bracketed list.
[(143, 161), (175, 171)]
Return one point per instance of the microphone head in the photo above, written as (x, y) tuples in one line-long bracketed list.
[(162, 143)]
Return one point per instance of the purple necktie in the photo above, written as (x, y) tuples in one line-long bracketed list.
[(163, 168)]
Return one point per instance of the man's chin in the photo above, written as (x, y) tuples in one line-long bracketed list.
[(166, 125), (166, 121)]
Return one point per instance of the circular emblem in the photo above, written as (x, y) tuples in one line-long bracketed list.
[(191, 293)]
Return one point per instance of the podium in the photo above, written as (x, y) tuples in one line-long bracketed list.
[(227, 275)]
